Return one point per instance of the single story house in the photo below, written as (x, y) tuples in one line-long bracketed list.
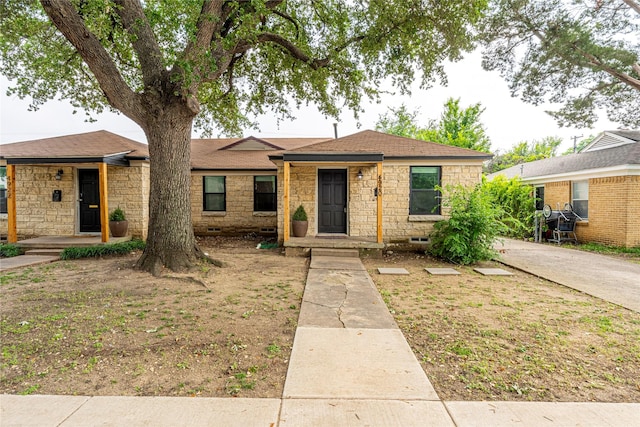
[(602, 183), (368, 187)]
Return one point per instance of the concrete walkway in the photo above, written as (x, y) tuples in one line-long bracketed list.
[(25, 261), (602, 276), (350, 366)]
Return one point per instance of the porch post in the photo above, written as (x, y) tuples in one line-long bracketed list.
[(12, 231), (104, 204), (285, 200), (379, 213)]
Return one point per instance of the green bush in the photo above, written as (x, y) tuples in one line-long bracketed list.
[(117, 215), (8, 250), (472, 228), (103, 250), (300, 214), (517, 204)]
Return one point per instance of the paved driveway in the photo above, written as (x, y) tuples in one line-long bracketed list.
[(608, 278)]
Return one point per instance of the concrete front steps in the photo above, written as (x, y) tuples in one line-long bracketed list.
[(44, 252)]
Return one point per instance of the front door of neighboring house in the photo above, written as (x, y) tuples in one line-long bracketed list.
[(332, 201), (89, 200)]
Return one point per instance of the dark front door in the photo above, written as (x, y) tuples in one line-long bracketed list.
[(89, 200), (332, 203)]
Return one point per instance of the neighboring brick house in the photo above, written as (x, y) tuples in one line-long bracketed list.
[(602, 183), (369, 186)]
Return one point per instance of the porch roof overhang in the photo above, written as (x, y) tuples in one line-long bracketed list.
[(116, 160), (330, 157)]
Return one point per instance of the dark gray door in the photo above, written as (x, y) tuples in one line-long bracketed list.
[(89, 200), (332, 203)]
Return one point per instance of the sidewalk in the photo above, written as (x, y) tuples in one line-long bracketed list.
[(350, 366), (602, 276)]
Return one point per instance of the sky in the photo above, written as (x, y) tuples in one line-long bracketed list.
[(507, 120)]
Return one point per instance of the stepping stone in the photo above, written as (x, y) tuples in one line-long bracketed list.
[(392, 271), (493, 272), (441, 271)]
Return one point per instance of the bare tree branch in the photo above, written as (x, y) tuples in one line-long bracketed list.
[(633, 5)]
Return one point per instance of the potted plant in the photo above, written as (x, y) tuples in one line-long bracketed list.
[(299, 223), (118, 223)]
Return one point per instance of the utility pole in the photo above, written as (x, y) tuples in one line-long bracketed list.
[(575, 139)]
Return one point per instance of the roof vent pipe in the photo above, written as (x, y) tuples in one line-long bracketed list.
[(335, 130)]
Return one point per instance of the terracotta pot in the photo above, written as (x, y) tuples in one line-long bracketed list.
[(299, 228), (118, 228)]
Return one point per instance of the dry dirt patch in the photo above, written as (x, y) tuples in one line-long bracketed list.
[(98, 327), (512, 338)]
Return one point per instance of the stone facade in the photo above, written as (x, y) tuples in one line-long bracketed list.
[(38, 215), (613, 209), (398, 225), (239, 217)]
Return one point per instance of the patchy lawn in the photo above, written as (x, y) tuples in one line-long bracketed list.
[(97, 327), (512, 338)]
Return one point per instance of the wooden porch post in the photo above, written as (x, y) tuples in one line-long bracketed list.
[(12, 232), (104, 204), (285, 200), (379, 213)]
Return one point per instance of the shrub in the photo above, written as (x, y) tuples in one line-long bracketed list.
[(8, 250), (300, 214), (517, 204), (472, 228), (103, 250), (117, 215)]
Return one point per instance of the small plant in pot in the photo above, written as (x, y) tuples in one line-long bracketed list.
[(299, 223), (118, 224)]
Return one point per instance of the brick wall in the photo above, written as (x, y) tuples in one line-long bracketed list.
[(239, 217), (613, 209)]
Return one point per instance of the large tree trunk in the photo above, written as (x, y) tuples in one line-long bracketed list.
[(170, 242)]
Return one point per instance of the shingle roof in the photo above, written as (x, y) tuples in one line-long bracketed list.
[(392, 146), (628, 154), (92, 144), (213, 153), (629, 134)]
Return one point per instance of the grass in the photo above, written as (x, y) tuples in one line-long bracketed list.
[(605, 249)]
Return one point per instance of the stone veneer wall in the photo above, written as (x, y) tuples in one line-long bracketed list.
[(239, 217), (128, 188), (398, 226), (613, 209), (38, 215)]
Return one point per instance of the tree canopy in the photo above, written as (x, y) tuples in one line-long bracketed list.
[(231, 59), (582, 54), (167, 64), (524, 152), (460, 127)]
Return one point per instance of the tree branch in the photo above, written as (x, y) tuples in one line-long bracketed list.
[(144, 42), (633, 5), (71, 25)]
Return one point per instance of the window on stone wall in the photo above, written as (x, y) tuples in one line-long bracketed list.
[(3, 189), (214, 194), (264, 194), (580, 198), (424, 198)]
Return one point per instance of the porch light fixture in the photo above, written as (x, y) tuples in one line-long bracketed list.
[(59, 174), (360, 174)]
